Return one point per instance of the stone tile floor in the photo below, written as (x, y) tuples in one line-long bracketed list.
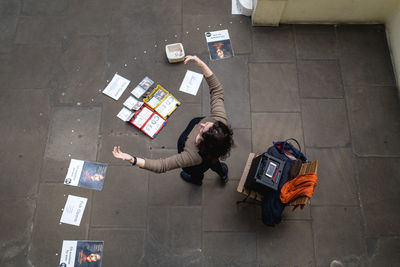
[(330, 87)]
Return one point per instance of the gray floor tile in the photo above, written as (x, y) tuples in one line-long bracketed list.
[(387, 252), (128, 6), (123, 200), (136, 145), (365, 58), (54, 170), (229, 249), (176, 124), (320, 79), (236, 93), (118, 243), (343, 240), (78, 126), (168, 189), (10, 7), (8, 28), (47, 7), (167, 12), (17, 222), (272, 44), (300, 248), (239, 154), (316, 41), (273, 127), (325, 122), (35, 62), (48, 233), (270, 82), (46, 31), (220, 212), (374, 120), (174, 237), (204, 7), (336, 177), (23, 141), (91, 17), (80, 74), (379, 196)]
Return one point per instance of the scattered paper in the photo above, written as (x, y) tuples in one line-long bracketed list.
[(86, 174), (81, 253), (191, 82), (73, 210), (125, 114), (219, 44), (132, 103), (116, 87)]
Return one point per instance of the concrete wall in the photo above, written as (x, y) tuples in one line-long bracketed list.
[(273, 12), (393, 36)]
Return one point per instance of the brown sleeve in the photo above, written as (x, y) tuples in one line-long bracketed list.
[(216, 99), (181, 160)]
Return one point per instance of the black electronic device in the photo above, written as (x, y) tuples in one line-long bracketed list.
[(265, 173)]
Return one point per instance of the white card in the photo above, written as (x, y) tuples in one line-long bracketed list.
[(153, 125), (132, 103), (191, 82), (74, 172), (125, 114), (142, 117), (68, 253), (116, 87), (167, 106), (235, 8), (73, 210)]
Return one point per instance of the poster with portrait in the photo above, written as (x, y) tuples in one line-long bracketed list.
[(81, 253), (86, 174), (219, 44)]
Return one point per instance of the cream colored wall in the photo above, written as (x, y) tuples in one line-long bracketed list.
[(393, 36), (273, 12)]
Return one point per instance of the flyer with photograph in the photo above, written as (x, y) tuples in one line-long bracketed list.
[(191, 82), (73, 210), (142, 87), (132, 103), (116, 87), (86, 174), (81, 253), (219, 44)]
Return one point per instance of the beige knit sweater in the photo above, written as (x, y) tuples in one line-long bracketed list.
[(190, 156)]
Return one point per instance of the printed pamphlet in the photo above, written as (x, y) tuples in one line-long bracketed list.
[(86, 174), (73, 210), (116, 87), (81, 253), (219, 44), (191, 82)]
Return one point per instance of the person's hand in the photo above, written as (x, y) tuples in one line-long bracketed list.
[(197, 60), (121, 155)]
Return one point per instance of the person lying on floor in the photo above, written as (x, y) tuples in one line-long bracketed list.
[(202, 144)]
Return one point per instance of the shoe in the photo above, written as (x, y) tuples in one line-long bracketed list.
[(188, 178), (224, 178)]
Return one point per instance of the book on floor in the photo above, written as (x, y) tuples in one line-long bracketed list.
[(81, 253), (86, 174), (219, 44)]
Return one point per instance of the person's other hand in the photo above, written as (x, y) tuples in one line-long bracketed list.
[(121, 155)]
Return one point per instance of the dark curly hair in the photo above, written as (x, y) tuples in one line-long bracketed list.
[(217, 142)]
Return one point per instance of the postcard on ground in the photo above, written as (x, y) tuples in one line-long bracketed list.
[(219, 44), (191, 82), (86, 174), (73, 210), (132, 103), (81, 253), (116, 87), (125, 114)]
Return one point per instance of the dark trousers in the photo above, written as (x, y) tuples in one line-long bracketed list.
[(197, 172)]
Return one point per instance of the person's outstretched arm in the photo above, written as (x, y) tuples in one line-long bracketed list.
[(206, 70), (216, 90)]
